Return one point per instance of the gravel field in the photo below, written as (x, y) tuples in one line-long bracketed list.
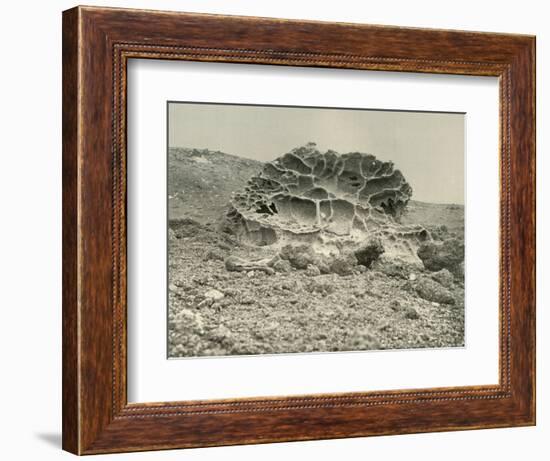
[(216, 312)]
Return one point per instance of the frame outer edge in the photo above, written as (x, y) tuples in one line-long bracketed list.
[(70, 190), (523, 238), (533, 179), (90, 414), (528, 72)]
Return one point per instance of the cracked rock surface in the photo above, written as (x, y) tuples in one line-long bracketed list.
[(306, 195)]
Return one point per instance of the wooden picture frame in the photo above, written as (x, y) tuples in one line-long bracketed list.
[(97, 43)]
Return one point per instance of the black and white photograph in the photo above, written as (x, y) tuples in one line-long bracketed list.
[(313, 229)]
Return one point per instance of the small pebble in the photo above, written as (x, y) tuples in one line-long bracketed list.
[(312, 270), (410, 313), (213, 294)]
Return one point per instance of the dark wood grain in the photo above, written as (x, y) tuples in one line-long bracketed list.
[(70, 385), (97, 43)]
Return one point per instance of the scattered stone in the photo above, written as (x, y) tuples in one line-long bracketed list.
[(393, 267), (189, 321), (369, 253), (214, 255), (430, 290), (186, 227), (235, 264), (323, 266), (438, 232), (299, 256), (287, 285), (341, 266), (282, 266), (202, 279), (213, 294), (224, 246), (221, 334), (323, 284), (312, 270), (302, 256), (435, 304), (395, 305), (412, 277), (410, 313), (444, 277), (205, 303), (407, 311), (446, 255), (231, 292)]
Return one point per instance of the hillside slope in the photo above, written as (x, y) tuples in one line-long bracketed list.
[(200, 182)]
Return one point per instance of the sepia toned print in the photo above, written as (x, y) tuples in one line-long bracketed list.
[(297, 229)]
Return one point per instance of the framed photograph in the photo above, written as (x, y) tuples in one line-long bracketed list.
[(281, 230)]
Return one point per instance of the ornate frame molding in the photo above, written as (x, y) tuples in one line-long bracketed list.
[(97, 43)]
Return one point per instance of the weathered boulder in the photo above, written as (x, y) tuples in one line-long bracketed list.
[(430, 290), (299, 256), (444, 277), (448, 254), (282, 266), (395, 267), (369, 252), (312, 197), (236, 264), (312, 270), (304, 257), (343, 266), (306, 191)]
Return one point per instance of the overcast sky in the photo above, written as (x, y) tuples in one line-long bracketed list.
[(427, 147)]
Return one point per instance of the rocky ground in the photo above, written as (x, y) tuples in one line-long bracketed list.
[(294, 307)]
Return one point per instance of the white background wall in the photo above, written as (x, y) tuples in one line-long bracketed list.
[(30, 229)]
